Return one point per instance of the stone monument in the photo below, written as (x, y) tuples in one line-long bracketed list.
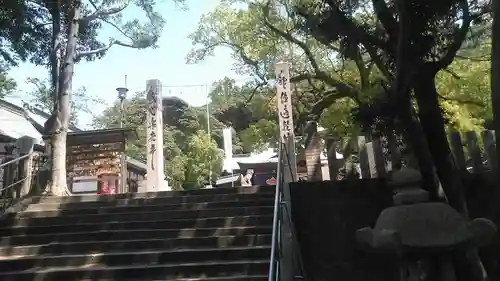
[(156, 180)]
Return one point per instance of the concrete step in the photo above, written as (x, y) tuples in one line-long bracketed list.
[(151, 201), (36, 219), (212, 222), (142, 272), (145, 208), (137, 257), (111, 235), (137, 245), (164, 194)]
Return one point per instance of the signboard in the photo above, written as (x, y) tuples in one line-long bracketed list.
[(284, 101), (287, 134)]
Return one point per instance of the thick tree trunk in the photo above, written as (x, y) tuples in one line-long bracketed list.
[(58, 183), (431, 118), (62, 112), (415, 138), (468, 266), (402, 88)]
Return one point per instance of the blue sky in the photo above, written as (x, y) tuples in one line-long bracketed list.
[(166, 63)]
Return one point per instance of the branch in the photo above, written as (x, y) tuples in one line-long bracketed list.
[(101, 13), (452, 73), (475, 59), (80, 55), (118, 28), (385, 17), (329, 97), (462, 101), (319, 74), (344, 26), (252, 94), (459, 38)]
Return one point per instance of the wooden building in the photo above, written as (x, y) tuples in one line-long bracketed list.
[(107, 145)]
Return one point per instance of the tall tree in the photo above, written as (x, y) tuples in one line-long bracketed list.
[(75, 26), (187, 150)]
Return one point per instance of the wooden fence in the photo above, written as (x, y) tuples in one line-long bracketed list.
[(376, 157)]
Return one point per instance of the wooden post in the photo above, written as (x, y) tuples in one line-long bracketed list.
[(364, 164), (457, 150), (395, 153), (376, 159), (490, 150), (285, 114), (333, 162), (287, 138), (474, 151), (9, 175)]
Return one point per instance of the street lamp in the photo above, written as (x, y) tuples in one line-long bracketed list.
[(122, 95)]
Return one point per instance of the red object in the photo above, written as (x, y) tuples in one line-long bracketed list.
[(271, 181), (107, 186)]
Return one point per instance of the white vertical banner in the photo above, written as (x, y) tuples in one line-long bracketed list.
[(227, 136), (284, 100), (154, 124)]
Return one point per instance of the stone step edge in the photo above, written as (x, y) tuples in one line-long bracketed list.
[(130, 241), (131, 222), (175, 193), (142, 252), (270, 200), (138, 230), (133, 266), (106, 202), (145, 213)]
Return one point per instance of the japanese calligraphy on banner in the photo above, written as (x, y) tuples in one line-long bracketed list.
[(284, 100)]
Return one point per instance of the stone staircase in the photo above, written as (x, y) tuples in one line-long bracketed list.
[(216, 234)]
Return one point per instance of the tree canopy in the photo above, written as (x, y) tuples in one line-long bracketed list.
[(191, 157)]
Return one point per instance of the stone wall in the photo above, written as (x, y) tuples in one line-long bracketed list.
[(326, 215)]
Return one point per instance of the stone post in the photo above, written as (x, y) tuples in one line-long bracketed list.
[(25, 146), (156, 180)]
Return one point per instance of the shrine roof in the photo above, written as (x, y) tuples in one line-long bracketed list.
[(102, 136)]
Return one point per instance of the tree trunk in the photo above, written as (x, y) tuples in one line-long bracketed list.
[(62, 112), (468, 265), (495, 77), (411, 128), (58, 183), (431, 118)]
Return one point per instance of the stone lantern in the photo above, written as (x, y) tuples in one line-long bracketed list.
[(418, 230)]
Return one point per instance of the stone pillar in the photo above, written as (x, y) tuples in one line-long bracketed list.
[(25, 146), (156, 180), (227, 134)]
